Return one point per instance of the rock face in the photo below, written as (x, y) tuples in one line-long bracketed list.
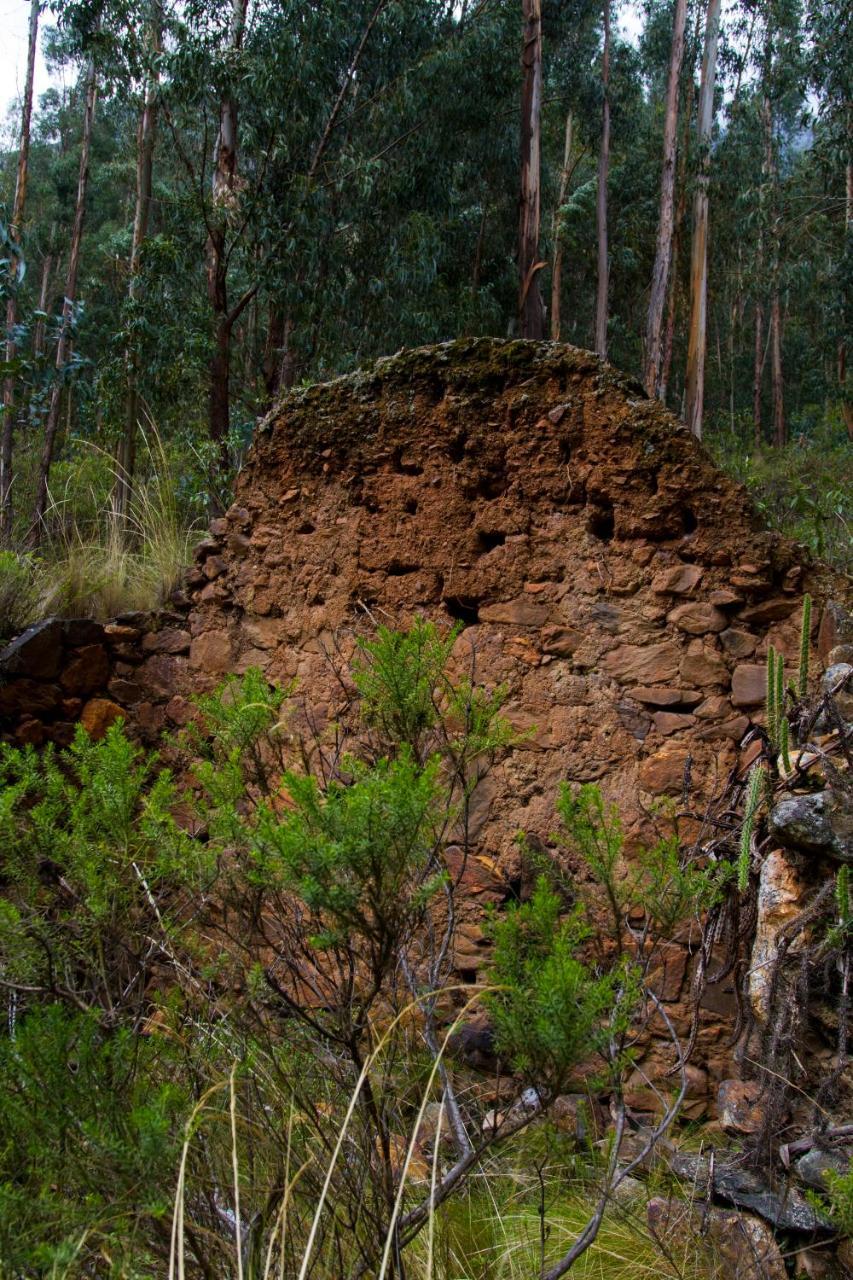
[(596, 561), (820, 823)]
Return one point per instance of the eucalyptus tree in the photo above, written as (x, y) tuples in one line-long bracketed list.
[(663, 251), (695, 381), (14, 271)]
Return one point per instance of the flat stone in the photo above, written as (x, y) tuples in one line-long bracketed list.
[(714, 708), (739, 644), (698, 618), (647, 665), (770, 610), (521, 612), (678, 580), (733, 729), (723, 598), (667, 722), (664, 697), (749, 685), (167, 640)]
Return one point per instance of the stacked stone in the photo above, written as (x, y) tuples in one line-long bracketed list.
[(64, 671)]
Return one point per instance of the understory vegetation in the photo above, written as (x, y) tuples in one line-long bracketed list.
[(233, 1036), (235, 1045)]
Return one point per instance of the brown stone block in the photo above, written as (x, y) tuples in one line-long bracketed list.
[(698, 618), (98, 715), (749, 685), (643, 664)]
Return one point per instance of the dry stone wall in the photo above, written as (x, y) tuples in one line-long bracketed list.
[(600, 565)]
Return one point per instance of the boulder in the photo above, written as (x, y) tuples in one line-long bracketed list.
[(744, 1245), (818, 822), (813, 1167), (783, 1206), (36, 653)]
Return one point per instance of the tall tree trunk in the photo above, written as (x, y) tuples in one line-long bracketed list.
[(557, 238), (224, 193), (145, 138), (44, 293), (531, 311), (699, 254), (846, 406), (757, 372), (15, 258), (776, 375), (601, 197), (681, 208), (663, 250), (63, 346)]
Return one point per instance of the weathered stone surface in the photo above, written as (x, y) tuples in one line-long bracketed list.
[(739, 644), (88, 670), (168, 640), (667, 722), (562, 642), (698, 617), (678, 580), (821, 822), (814, 1165), (521, 612), (665, 697), (749, 685), (663, 773), (212, 651), (703, 667), (837, 680), (80, 631), (836, 627), (36, 653), (642, 665), (781, 891), (740, 1109), (784, 1206), (769, 610), (98, 715)]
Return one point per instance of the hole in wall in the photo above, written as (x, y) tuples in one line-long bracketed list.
[(456, 448), (488, 541), (405, 467), (464, 609), (305, 527), (601, 523), (410, 506), (468, 976), (399, 568), (688, 519)]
